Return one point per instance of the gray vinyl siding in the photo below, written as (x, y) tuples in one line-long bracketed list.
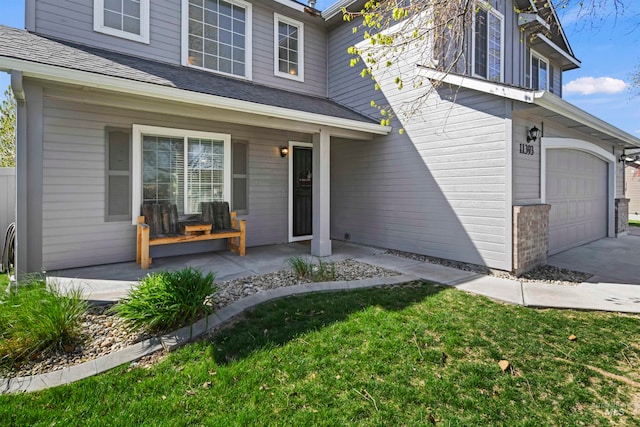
[(73, 20), (74, 229), (632, 176), (557, 80), (315, 54), (526, 169), (439, 189), (7, 200), (514, 44)]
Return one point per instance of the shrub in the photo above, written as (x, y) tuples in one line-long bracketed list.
[(167, 300), (35, 317), (307, 270)]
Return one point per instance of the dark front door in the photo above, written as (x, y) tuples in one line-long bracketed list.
[(302, 206)]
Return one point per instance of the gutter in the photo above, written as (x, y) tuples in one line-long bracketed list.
[(152, 90)]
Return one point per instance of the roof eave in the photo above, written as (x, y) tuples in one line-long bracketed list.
[(292, 4), (558, 105), (135, 87), (544, 99), (336, 8), (570, 61)]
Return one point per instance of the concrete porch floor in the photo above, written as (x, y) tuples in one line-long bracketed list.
[(111, 281)]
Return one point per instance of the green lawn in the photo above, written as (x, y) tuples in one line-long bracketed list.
[(634, 222), (416, 355), (4, 281)]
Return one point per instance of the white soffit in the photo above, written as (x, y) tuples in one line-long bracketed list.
[(558, 105), (558, 49)]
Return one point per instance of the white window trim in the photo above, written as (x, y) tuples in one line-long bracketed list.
[(98, 23), (532, 54), (248, 40), (136, 167), (490, 9), (276, 69)]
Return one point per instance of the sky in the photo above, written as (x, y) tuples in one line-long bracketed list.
[(608, 47)]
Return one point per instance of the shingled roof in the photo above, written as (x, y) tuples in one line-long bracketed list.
[(26, 46)]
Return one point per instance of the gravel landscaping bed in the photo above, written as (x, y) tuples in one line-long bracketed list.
[(104, 333), (233, 290), (544, 274)]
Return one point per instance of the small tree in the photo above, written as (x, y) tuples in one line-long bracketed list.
[(436, 34), (8, 130)]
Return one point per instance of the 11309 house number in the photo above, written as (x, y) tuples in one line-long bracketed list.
[(526, 149)]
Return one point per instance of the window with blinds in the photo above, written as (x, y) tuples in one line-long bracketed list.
[(168, 178)]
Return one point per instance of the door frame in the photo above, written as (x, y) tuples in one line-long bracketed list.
[(290, 185)]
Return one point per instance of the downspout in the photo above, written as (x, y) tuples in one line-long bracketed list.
[(21, 175)]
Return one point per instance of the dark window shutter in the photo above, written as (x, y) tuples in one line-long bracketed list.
[(118, 171), (239, 177)]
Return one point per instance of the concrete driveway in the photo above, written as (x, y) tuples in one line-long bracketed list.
[(610, 260)]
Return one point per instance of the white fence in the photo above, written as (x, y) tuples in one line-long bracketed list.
[(7, 200)]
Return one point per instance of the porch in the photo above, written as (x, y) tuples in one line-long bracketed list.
[(110, 282)]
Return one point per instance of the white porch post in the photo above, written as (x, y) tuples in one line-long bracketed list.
[(321, 243)]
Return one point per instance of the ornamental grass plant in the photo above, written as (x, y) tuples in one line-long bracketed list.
[(307, 270), (167, 300), (36, 317)]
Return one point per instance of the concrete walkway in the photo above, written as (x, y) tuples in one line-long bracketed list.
[(584, 296), (614, 289)]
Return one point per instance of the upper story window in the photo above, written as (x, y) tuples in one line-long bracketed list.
[(217, 36), (539, 72), (288, 47), (488, 43), (128, 19)]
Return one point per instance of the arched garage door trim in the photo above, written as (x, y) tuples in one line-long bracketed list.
[(576, 144)]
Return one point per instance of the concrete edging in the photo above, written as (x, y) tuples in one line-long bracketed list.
[(183, 335)]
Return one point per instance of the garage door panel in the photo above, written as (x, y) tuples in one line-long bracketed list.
[(577, 192)]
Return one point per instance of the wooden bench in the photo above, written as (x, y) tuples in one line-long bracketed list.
[(159, 225)]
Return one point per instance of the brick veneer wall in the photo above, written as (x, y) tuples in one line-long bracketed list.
[(530, 237), (622, 216)]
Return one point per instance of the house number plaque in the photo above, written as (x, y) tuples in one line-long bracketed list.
[(526, 149)]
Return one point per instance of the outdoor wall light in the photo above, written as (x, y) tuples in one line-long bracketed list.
[(284, 151), (629, 158), (532, 134)]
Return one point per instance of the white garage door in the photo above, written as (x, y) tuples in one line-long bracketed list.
[(577, 192)]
